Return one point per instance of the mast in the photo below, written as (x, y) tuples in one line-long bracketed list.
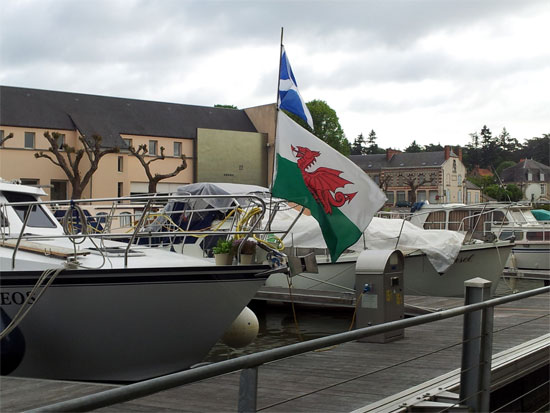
[(277, 109)]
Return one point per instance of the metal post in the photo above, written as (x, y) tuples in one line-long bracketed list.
[(248, 390), (475, 376)]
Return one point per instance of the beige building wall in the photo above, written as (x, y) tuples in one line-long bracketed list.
[(263, 118), (454, 174), (229, 156), (18, 162)]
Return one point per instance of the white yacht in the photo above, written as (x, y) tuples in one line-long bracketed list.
[(83, 306), (491, 221), (436, 262)]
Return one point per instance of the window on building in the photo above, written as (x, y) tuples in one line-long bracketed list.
[(127, 142), (529, 176), (469, 197), (400, 196), (390, 196), (448, 179), (125, 219), (541, 176), (454, 166), (1, 137), (29, 140), (120, 189), (61, 141), (447, 195), (460, 196), (153, 147), (29, 181), (120, 166), (477, 197), (177, 148), (542, 189), (58, 191), (460, 179)]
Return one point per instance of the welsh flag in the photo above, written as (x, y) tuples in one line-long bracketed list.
[(339, 194)]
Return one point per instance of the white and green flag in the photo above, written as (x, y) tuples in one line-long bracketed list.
[(339, 194)]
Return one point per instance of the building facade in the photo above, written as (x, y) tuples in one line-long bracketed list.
[(532, 177), (437, 177), (227, 142)]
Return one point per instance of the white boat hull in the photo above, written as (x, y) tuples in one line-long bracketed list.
[(530, 257), (126, 326), (420, 277)]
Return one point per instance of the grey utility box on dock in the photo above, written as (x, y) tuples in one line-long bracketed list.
[(379, 292)]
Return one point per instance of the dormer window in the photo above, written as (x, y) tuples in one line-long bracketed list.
[(529, 176)]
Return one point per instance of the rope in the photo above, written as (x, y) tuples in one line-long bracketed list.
[(49, 275)]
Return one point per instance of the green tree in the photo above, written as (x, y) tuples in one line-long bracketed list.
[(537, 149), (326, 126), (509, 193), (358, 146), (413, 147), (372, 146), (433, 147), (507, 143), (503, 165)]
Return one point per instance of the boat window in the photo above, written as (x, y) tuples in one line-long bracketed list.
[(38, 217), (535, 236), (506, 235), (499, 218), (3, 220), (459, 221), (435, 220)]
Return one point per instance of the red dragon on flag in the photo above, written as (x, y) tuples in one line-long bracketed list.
[(323, 182)]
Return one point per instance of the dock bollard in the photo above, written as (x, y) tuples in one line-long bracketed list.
[(477, 343)]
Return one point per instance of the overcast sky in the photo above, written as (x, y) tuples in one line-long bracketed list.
[(433, 71)]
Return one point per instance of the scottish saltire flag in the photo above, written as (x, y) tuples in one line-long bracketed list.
[(289, 97), (339, 194)]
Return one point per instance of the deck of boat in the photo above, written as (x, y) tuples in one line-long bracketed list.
[(338, 379)]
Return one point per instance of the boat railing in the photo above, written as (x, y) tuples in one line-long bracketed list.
[(146, 221), (475, 371)]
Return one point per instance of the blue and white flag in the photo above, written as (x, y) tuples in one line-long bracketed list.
[(289, 97)]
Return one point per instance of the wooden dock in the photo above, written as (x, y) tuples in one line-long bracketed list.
[(339, 379)]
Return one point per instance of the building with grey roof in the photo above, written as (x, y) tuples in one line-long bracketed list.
[(437, 177)]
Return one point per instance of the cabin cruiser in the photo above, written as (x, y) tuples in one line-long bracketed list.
[(491, 221), (80, 302), (436, 262)]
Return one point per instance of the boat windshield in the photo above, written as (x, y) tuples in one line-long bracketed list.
[(38, 217)]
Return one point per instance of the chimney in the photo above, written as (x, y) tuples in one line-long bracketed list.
[(447, 152), (390, 152), (460, 153)]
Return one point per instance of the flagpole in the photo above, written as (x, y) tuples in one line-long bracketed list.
[(277, 108), (275, 129)]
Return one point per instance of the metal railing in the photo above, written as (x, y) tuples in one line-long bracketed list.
[(476, 359)]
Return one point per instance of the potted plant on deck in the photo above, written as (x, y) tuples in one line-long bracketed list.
[(247, 250), (223, 253)]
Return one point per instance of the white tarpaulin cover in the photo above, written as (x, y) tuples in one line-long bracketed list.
[(440, 246)]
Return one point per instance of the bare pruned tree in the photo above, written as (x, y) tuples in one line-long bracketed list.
[(154, 179), (69, 159), (384, 182), (414, 182), (2, 140)]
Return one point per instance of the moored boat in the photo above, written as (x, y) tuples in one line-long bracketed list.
[(105, 310)]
